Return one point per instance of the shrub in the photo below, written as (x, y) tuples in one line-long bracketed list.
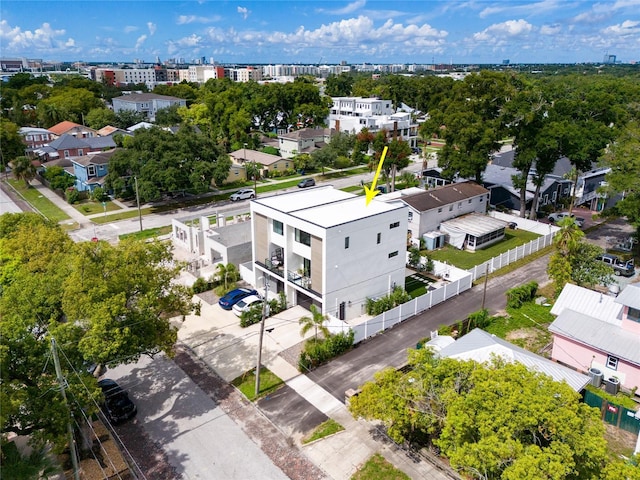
[(479, 319), (251, 316), (517, 296), (382, 304), (200, 285), (318, 351), (72, 195), (98, 194)]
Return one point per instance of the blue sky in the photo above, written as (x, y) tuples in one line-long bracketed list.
[(305, 31)]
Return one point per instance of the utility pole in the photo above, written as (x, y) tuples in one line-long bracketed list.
[(265, 306), (135, 179), (486, 278), (62, 381)]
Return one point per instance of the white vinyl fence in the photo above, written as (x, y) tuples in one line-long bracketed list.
[(460, 281)]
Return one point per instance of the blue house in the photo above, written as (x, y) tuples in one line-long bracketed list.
[(91, 170)]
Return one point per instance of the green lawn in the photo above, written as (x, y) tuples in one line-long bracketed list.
[(357, 189), (416, 285), (146, 234), (278, 186), (465, 260), (90, 207), (377, 468), (324, 430), (41, 203), (531, 322), (246, 383)]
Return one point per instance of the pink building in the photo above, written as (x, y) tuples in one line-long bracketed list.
[(596, 331)]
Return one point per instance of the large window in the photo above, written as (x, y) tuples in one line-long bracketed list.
[(394, 225), (393, 254), (633, 314), (278, 227), (612, 362), (303, 237)]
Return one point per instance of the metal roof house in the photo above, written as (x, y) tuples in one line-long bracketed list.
[(481, 347), (596, 331)]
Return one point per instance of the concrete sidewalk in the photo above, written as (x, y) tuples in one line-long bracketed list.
[(218, 340)]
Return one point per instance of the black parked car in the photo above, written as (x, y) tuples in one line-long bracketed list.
[(117, 405)]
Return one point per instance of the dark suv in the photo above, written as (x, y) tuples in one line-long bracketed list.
[(117, 405), (620, 267)]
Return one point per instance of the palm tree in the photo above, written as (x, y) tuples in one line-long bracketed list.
[(23, 169), (315, 321), (226, 274)]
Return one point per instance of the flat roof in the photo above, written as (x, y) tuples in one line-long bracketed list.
[(326, 206), (475, 224)]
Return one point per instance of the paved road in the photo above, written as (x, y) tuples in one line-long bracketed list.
[(10, 202), (111, 231), (390, 349)]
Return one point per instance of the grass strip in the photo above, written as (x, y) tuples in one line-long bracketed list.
[(323, 430), (379, 469), (38, 201), (246, 383)]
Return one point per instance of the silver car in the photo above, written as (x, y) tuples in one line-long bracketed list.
[(242, 194)]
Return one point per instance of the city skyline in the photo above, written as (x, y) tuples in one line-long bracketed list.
[(371, 31)]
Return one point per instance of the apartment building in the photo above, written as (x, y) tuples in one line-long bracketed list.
[(148, 103), (352, 114), (326, 247)]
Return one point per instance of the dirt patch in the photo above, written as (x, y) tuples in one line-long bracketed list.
[(621, 442), (531, 339)]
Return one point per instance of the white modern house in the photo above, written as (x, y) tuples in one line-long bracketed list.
[(326, 247), (147, 103), (352, 114)]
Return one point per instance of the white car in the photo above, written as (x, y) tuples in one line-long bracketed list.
[(242, 194), (246, 303), (556, 217)]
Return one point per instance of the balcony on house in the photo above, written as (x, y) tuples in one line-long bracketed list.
[(299, 278)]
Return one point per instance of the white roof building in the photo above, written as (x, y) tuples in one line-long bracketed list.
[(327, 247)]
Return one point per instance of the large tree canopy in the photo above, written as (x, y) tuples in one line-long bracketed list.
[(493, 421), (164, 162), (102, 303)]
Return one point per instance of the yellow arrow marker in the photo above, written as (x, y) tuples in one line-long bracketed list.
[(372, 192)]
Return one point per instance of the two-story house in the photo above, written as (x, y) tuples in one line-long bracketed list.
[(74, 129), (305, 140), (68, 146), (597, 333), (35, 138), (454, 213), (327, 247), (147, 103), (90, 170)]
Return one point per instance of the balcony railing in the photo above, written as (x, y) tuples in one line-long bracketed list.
[(274, 267), (299, 279)]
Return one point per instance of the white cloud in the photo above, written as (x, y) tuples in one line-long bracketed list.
[(497, 33), (140, 42), (350, 8), (624, 29), (44, 38), (152, 27), (191, 42), (244, 11), (550, 29), (130, 28), (186, 19), (536, 8)]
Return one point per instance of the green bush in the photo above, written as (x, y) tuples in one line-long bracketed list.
[(200, 285), (318, 351), (517, 296), (377, 306), (99, 194), (72, 195), (479, 319), (251, 316)]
